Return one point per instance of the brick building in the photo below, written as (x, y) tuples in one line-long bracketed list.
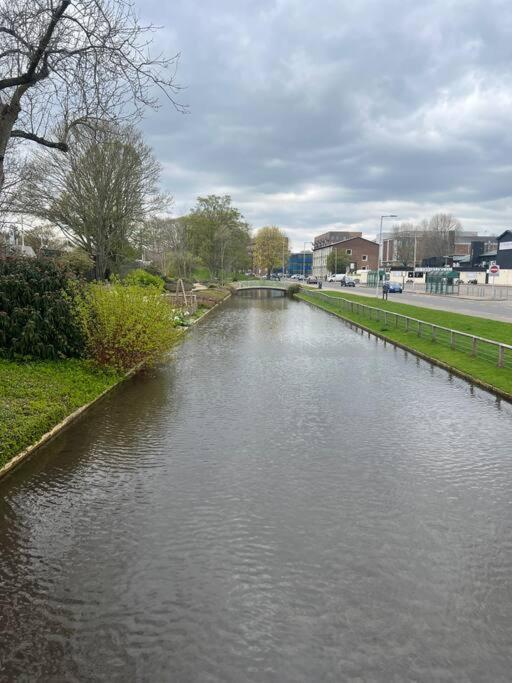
[(363, 253), (333, 237)]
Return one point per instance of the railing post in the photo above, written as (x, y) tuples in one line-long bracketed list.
[(407, 324), (501, 352), (452, 340), (419, 328), (433, 332), (473, 347)]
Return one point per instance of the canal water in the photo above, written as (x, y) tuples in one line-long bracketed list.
[(286, 500)]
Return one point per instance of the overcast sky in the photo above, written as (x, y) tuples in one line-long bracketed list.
[(325, 114)]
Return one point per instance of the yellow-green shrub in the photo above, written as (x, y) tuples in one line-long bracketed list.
[(142, 278), (126, 324)]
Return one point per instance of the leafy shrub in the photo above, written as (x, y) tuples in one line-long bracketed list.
[(78, 262), (142, 278), (126, 324), (181, 318), (38, 313)]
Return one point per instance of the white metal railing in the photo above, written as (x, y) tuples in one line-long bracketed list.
[(251, 284), (492, 351)]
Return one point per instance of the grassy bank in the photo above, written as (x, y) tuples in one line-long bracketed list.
[(478, 369), (481, 327), (34, 397)]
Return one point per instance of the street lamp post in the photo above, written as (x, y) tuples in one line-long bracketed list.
[(379, 259)]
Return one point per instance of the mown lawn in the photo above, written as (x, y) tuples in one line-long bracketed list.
[(476, 368), (35, 396), (481, 327)]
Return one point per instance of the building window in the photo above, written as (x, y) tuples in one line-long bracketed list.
[(364, 268), (365, 257), (349, 252)]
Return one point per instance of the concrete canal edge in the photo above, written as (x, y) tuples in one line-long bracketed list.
[(433, 361), (27, 452)]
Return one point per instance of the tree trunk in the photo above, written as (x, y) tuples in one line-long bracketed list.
[(8, 116)]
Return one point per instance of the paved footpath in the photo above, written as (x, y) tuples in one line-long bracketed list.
[(495, 310)]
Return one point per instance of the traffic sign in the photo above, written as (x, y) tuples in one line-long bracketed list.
[(494, 269)]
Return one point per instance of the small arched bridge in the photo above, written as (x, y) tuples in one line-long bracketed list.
[(275, 285)]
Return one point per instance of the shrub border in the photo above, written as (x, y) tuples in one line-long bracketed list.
[(23, 455)]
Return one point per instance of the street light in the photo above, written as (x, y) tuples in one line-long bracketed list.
[(379, 259), (304, 259)]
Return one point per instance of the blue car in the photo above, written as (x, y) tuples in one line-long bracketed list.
[(394, 287)]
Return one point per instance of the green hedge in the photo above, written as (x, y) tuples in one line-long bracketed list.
[(38, 317)]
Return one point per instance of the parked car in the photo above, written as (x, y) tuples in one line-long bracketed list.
[(338, 277), (347, 282), (312, 280), (300, 277), (394, 287)]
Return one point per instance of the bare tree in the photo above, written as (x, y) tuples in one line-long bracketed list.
[(440, 235), (98, 193), (43, 236), (165, 242), (74, 62), (405, 236)]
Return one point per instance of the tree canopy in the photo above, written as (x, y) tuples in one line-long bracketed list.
[(270, 248), (98, 193), (337, 261), (218, 234)]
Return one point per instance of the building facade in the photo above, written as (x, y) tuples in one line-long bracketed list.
[(363, 254), (333, 237), (460, 244), (300, 263)]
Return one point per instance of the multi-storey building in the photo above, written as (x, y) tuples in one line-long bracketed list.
[(363, 255), (300, 263), (334, 236)]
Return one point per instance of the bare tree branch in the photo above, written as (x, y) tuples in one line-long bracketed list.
[(62, 146), (75, 62)]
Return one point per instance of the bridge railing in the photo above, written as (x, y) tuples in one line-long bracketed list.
[(495, 352), (251, 284)]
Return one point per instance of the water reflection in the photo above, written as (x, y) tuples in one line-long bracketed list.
[(287, 501)]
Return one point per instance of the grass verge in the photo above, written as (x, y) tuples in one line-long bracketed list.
[(481, 327), (478, 369), (36, 396)]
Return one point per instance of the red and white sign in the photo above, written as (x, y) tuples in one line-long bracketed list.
[(494, 269)]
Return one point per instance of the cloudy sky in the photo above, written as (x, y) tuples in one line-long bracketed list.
[(322, 114)]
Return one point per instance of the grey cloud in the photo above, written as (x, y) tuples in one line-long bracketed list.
[(314, 114)]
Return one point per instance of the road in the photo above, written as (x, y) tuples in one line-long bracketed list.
[(496, 310)]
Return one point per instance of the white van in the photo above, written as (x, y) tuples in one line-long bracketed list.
[(339, 277)]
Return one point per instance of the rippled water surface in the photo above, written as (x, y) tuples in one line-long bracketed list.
[(286, 500)]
